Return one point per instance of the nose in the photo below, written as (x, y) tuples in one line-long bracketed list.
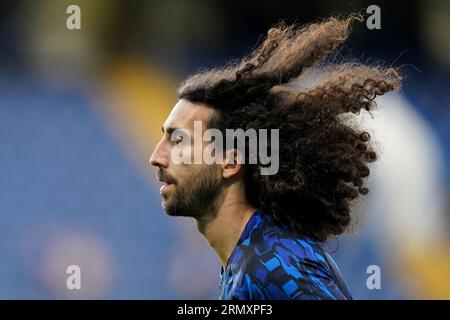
[(159, 157)]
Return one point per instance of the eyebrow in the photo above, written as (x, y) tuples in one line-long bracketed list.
[(169, 130)]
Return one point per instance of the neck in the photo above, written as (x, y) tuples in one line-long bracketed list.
[(224, 231)]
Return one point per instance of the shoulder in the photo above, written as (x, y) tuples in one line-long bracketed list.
[(278, 263), (273, 244)]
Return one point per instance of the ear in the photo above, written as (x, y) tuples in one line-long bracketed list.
[(233, 163)]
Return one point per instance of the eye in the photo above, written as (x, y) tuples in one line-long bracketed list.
[(178, 139)]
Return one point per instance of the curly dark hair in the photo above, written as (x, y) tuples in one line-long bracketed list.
[(286, 84)]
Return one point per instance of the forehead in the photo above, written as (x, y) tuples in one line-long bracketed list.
[(184, 113)]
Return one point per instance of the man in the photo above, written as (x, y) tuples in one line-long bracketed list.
[(267, 228)]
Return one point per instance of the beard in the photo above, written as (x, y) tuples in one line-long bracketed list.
[(195, 197)]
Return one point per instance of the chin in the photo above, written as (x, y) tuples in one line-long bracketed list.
[(165, 207), (168, 209)]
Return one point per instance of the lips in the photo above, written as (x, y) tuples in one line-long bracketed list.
[(167, 182), (165, 187)]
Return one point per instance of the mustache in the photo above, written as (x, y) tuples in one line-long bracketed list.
[(163, 175)]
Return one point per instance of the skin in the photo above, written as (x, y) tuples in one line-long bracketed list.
[(231, 211)]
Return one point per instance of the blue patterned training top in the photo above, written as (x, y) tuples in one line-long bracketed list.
[(270, 261)]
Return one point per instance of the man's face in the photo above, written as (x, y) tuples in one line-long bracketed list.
[(189, 189)]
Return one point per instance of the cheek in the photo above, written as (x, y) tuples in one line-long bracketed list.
[(187, 173), (184, 173), (182, 154)]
